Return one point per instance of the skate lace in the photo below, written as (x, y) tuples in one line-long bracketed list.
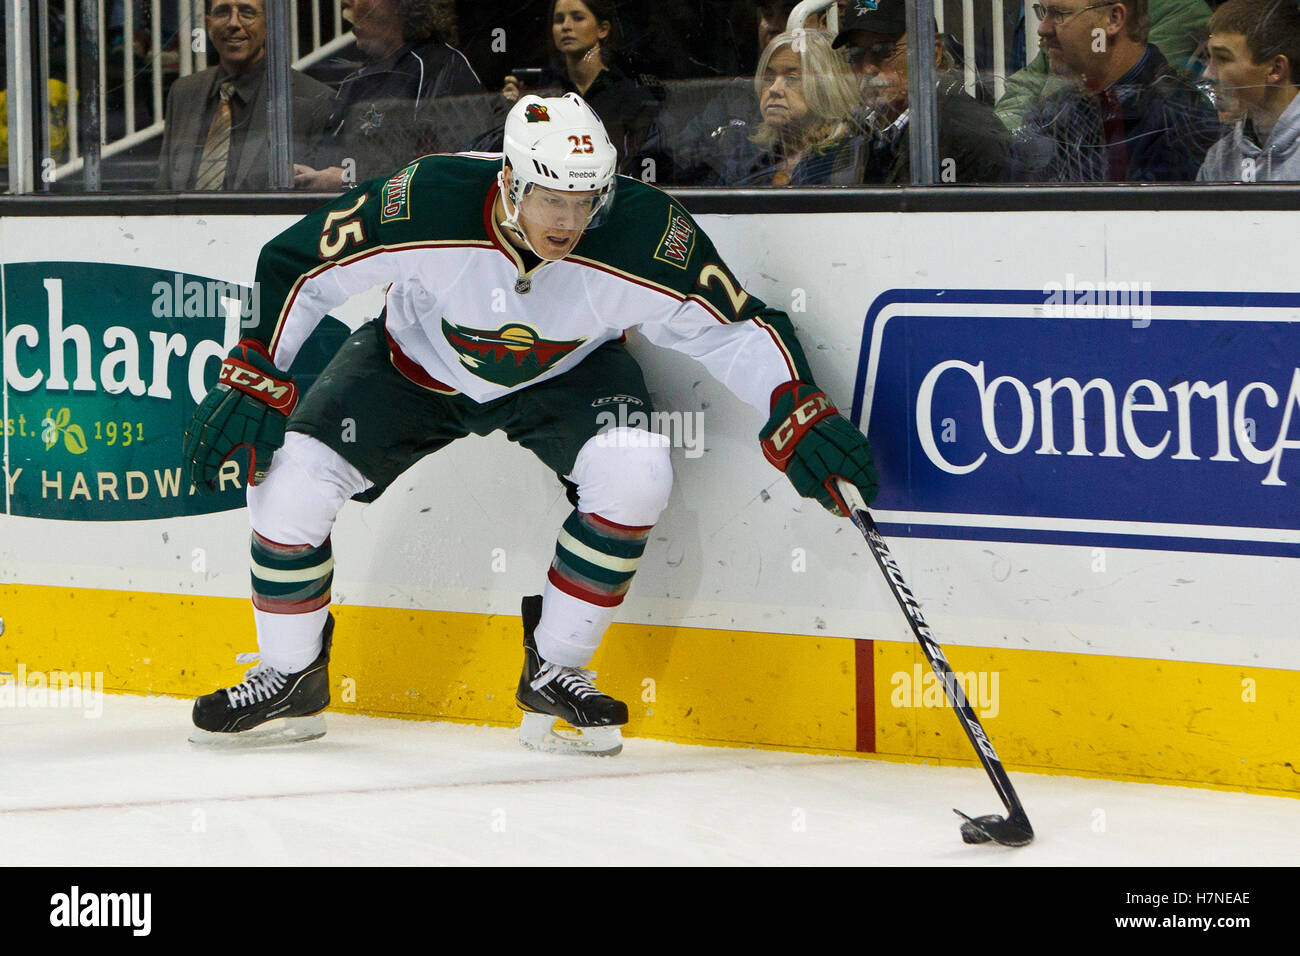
[(575, 680), (260, 683)]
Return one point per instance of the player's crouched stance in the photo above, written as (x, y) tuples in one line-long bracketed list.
[(456, 240)]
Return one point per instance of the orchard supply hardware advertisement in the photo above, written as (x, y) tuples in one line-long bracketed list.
[(103, 366)]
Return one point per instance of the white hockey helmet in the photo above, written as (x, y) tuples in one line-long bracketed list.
[(557, 143)]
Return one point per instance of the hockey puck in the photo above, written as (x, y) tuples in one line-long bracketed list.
[(993, 828)]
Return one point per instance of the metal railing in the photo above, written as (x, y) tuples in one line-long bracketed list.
[(181, 22), (160, 62)]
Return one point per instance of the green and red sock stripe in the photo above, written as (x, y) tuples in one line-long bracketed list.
[(595, 558), (291, 578)]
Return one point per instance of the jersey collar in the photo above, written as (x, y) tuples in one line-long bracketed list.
[(499, 240)]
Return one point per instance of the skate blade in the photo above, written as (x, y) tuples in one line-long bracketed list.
[(287, 730), (538, 732)]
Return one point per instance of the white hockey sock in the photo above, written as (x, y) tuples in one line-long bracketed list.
[(289, 642), (294, 509), (570, 630)]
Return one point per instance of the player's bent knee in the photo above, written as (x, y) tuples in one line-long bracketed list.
[(308, 484), (625, 475)]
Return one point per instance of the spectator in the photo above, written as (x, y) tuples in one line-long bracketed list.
[(384, 113), (1128, 117), (707, 123), (773, 15), (216, 135), (585, 36), (1177, 28), (1255, 58), (972, 142), (807, 134)]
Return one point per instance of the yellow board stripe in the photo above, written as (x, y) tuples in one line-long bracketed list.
[(1211, 725), (684, 684), (1116, 717)]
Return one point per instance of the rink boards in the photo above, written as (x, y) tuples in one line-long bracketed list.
[(1095, 502)]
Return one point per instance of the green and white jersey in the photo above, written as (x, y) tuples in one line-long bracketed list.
[(464, 315)]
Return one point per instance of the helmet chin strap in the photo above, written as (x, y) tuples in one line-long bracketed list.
[(511, 221)]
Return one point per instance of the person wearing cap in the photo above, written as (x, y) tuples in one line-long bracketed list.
[(510, 282), (972, 143)]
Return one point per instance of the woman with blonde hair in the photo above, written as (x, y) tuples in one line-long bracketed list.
[(807, 99)]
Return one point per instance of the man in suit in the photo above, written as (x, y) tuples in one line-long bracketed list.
[(216, 127)]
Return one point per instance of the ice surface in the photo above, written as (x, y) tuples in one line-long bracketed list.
[(127, 788)]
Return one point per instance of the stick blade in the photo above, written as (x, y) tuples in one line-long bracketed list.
[(1015, 831)]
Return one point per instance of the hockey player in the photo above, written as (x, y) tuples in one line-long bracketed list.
[(578, 256)]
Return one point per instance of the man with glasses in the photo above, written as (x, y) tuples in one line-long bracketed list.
[(1177, 28), (1127, 115), (216, 124), (972, 143)]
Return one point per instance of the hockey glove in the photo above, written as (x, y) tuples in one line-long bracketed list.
[(248, 407), (809, 440)]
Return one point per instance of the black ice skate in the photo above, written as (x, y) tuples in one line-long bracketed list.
[(549, 692), (268, 706)]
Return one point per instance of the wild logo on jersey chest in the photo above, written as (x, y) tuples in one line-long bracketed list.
[(678, 240), (510, 355)]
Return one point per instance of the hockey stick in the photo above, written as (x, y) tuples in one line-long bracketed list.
[(1014, 828)]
